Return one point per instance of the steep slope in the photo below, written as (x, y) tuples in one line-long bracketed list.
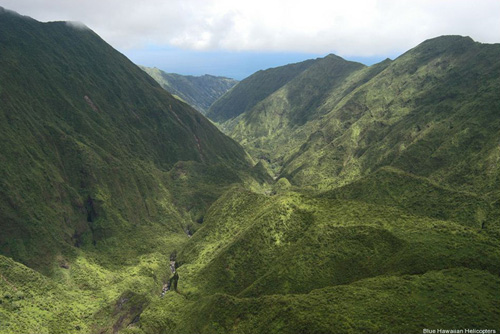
[(199, 92), (92, 148), (391, 187), (276, 126), (433, 112), (103, 175), (404, 237), (250, 91), (397, 248)]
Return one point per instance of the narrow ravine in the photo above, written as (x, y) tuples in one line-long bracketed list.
[(172, 282)]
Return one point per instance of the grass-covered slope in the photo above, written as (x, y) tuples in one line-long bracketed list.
[(250, 91), (277, 125), (292, 244), (103, 175), (278, 264), (391, 187), (84, 298), (432, 112), (198, 91), (404, 238), (389, 304)]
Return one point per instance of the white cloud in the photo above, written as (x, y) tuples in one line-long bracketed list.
[(76, 25), (355, 27)]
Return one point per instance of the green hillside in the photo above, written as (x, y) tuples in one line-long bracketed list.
[(405, 157), (88, 132), (250, 91), (277, 125), (124, 210), (199, 92), (290, 262), (431, 112), (98, 164)]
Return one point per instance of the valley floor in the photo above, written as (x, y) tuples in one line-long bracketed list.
[(281, 263)]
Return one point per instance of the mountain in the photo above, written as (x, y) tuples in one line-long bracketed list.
[(253, 89), (274, 126), (432, 112), (103, 175), (91, 132), (293, 263), (124, 210), (386, 201), (384, 216), (199, 92)]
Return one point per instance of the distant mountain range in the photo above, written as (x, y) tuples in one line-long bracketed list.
[(198, 91), (125, 210)]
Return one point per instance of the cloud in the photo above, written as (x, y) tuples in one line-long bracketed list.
[(77, 25), (355, 27)]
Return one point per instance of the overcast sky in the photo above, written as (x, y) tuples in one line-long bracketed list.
[(236, 38)]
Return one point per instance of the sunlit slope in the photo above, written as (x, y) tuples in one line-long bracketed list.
[(250, 91), (433, 112), (276, 126), (290, 259), (386, 304), (392, 187), (384, 217)]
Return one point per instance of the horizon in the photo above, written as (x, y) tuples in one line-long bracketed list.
[(244, 64)]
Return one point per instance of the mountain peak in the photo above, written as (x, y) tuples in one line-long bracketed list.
[(450, 44), (5, 11)]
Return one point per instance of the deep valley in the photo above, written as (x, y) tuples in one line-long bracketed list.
[(319, 197)]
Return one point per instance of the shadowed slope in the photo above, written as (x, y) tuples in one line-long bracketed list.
[(88, 142), (199, 92)]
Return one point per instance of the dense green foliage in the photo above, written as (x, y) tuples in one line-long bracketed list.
[(432, 112), (250, 91), (406, 156), (98, 163), (199, 92), (384, 216), (289, 262)]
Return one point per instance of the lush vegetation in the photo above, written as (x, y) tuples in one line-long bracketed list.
[(250, 91), (432, 112), (289, 262), (383, 218), (103, 174), (199, 92)]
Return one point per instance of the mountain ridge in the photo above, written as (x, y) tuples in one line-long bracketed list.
[(76, 112), (369, 103), (198, 91), (263, 83), (124, 210)]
